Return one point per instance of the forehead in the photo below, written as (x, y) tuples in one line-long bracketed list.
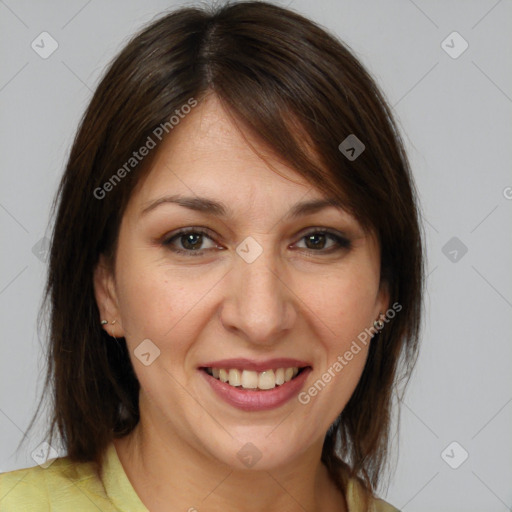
[(206, 154)]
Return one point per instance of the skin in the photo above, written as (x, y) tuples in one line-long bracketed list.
[(287, 303)]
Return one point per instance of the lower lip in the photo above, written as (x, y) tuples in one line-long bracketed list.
[(251, 400)]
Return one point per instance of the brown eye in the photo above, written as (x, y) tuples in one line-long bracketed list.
[(316, 241), (189, 242)]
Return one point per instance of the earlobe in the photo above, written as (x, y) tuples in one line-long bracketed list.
[(382, 305), (384, 298), (106, 298)]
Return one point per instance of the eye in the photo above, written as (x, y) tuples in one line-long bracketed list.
[(316, 241), (190, 239)]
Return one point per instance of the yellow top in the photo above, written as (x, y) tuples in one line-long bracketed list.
[(65, 486)]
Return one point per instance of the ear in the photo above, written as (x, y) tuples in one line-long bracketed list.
[(106, 298), (383, 299)]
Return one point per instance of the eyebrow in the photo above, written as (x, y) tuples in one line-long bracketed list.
[(218, 209)]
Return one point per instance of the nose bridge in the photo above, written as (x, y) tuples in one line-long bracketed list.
[(259, 302), (259, 277)]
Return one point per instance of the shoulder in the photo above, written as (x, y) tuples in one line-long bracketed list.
[(62, 486), (355, 495)]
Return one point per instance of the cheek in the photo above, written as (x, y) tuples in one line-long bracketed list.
[(343, 302), (157, 301), (341, 307)]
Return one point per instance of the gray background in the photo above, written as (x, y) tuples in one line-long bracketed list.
[(455, 117)]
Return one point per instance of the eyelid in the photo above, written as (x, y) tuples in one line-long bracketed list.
[(341, 240), (167, 238), (323, 229)]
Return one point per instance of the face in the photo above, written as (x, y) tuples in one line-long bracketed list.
[(240, 296)]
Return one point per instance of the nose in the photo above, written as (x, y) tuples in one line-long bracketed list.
[(259, 302)]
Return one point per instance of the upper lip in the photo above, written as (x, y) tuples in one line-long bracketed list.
[(257, 366)]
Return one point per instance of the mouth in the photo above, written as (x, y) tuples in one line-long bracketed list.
[(251, 380), (263, 387)]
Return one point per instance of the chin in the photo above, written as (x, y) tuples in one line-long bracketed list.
[(255, 449)]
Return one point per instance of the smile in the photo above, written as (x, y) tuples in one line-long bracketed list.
[(249, 379), (253, 390)]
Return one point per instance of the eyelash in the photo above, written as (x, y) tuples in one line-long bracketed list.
[(342, 242)]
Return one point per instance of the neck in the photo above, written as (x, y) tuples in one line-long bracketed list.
[(169, 474)]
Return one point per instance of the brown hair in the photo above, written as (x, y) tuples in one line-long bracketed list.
[(301, 92)]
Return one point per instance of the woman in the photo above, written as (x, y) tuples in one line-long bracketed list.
[(235, 277)]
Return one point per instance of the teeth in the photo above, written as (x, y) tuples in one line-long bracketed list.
[(249, 379), (267, 380), (234, 377)]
